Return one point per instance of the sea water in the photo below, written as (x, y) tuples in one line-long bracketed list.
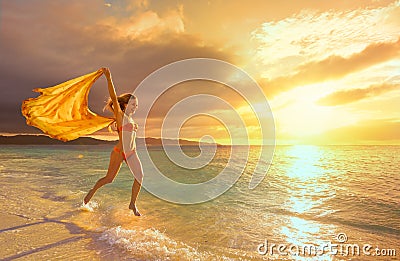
[(315, 203)]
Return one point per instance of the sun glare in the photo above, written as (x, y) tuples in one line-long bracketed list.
[(304, 160)]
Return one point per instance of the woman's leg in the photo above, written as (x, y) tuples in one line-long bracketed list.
[(136, 167), (113, 168)]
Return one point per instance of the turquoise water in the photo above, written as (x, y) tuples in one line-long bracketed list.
[(311, 195)]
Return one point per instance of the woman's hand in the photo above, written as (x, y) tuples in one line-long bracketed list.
[(106, 72)]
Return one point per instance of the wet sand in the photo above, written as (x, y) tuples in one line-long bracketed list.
[(34, 227)]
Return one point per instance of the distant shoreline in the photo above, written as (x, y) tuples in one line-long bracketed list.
[(40, 139), (45, 140)]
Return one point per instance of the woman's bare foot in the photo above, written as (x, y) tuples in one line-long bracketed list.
[(132, 206), (88, 197)]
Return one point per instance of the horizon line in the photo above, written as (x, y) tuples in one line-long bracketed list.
[(277, 143)]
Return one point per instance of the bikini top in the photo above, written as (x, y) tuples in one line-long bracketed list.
[(130, 127)]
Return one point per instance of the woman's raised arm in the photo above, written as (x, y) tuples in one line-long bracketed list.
[(111, 90)]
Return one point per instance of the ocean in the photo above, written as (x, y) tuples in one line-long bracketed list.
[(315, 203)]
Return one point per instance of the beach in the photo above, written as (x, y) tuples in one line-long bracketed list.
[(312, 195)]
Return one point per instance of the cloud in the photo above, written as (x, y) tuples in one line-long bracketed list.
[(311, 35), (145, 26), (348, 96), (333, 67)]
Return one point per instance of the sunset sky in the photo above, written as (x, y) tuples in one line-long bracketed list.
[(329, 69)]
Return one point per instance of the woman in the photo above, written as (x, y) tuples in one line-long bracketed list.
[(118, 105)]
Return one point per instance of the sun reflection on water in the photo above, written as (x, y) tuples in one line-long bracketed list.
[(303, 176), (305, 162), (307, 193)]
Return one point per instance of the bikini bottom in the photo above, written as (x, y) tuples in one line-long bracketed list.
[(125, 156)]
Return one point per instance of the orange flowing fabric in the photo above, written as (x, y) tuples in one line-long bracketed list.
[(62, 111)]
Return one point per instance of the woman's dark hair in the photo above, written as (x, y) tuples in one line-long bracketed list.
[(123, 100)]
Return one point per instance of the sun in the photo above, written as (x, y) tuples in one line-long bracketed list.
[(302, 117)]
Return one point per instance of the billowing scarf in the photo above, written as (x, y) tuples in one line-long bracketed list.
[(62, 111)]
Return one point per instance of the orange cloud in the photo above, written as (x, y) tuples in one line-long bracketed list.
[(348, 96), (333, 67), (145, 26)]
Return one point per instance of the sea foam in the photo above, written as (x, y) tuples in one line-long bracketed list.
[(150, 244)]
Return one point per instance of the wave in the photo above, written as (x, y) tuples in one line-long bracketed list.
[(150, 244)]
